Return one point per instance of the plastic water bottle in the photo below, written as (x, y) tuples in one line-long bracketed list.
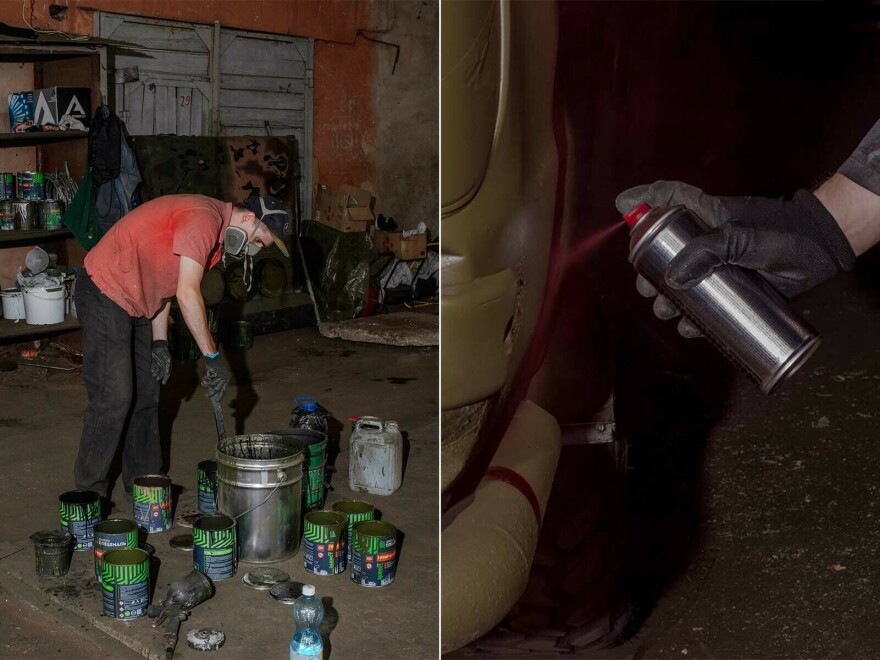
[(307, 414), (308, 612)]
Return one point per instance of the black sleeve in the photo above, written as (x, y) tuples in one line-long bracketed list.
[(863, 166)]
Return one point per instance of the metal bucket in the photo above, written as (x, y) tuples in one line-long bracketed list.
[(25, 214), (259, 484), (50, 215)]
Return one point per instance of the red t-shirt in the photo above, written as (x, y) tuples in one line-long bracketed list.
[(137, 262)]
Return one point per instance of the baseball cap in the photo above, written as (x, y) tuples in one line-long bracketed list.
[(271, 212)]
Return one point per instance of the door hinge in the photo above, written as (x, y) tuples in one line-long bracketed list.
[(310, 79)]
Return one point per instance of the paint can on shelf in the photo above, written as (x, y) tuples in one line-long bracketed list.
[(324, 542), (373, 553), (7, 186), (125, 579), (25, 212), (80, 511), (214, 550), (152, 502), (113, 534), (355, 511), (7, 216), (207, 485), (50, 215), (13, 304), (30, 186)]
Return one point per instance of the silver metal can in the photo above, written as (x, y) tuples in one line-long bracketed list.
[(7, 216), (7, 186), (50, 215), (738, 311), (25, 214)]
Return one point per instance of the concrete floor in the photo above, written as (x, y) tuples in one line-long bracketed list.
[(754, 520), (40, 415)]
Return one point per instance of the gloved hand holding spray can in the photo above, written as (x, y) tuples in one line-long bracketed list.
[(735, 308)]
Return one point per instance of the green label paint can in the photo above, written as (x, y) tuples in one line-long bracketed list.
[(80, 511), (214, 548), (324, 542), (152, 502), (7, 216), (50, 215), (7, 186), (315, 487), (113, 534), (30, 186), (207, 484), (373, 553), (355, 511), (125, 579)]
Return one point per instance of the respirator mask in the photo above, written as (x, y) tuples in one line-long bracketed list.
[(237, 246), (236, 243)]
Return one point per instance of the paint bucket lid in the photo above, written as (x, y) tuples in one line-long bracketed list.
[(266, 577), (246, 578), (205, 639), (286, 592), (182, 542)]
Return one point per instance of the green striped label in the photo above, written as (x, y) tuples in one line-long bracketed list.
[(213, 540), (112, 574), (320, 533)]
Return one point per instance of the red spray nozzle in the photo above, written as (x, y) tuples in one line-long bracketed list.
[(636, 214)]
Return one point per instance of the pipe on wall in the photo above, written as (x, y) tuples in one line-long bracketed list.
[(488, 548)]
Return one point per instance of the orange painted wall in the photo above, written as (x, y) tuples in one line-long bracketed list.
[(344, 124)]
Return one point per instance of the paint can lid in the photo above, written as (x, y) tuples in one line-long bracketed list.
[(266, 577), (636, 214), (205, 639), (182, 542), (308, 590), (286, 592)]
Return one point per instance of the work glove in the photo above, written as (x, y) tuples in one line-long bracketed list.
[(161, 364), (794, 244), (216, 378)]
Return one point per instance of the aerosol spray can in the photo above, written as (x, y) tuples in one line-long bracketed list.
[(735, 308)]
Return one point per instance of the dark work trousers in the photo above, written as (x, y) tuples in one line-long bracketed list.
[(123, 395)]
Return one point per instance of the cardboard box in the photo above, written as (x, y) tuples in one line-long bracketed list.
[(413, 247), (21, 109), (387, 241), (51, 104), (405, 249), (358, 197), (332, 210)]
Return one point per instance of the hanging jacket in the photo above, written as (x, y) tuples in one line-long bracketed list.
[(114, 168), (80, 217)]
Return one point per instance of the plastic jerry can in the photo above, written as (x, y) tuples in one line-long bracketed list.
[(376, 460)]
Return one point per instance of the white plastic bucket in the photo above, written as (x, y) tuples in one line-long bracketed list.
[(44, 305), (13, 304)]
